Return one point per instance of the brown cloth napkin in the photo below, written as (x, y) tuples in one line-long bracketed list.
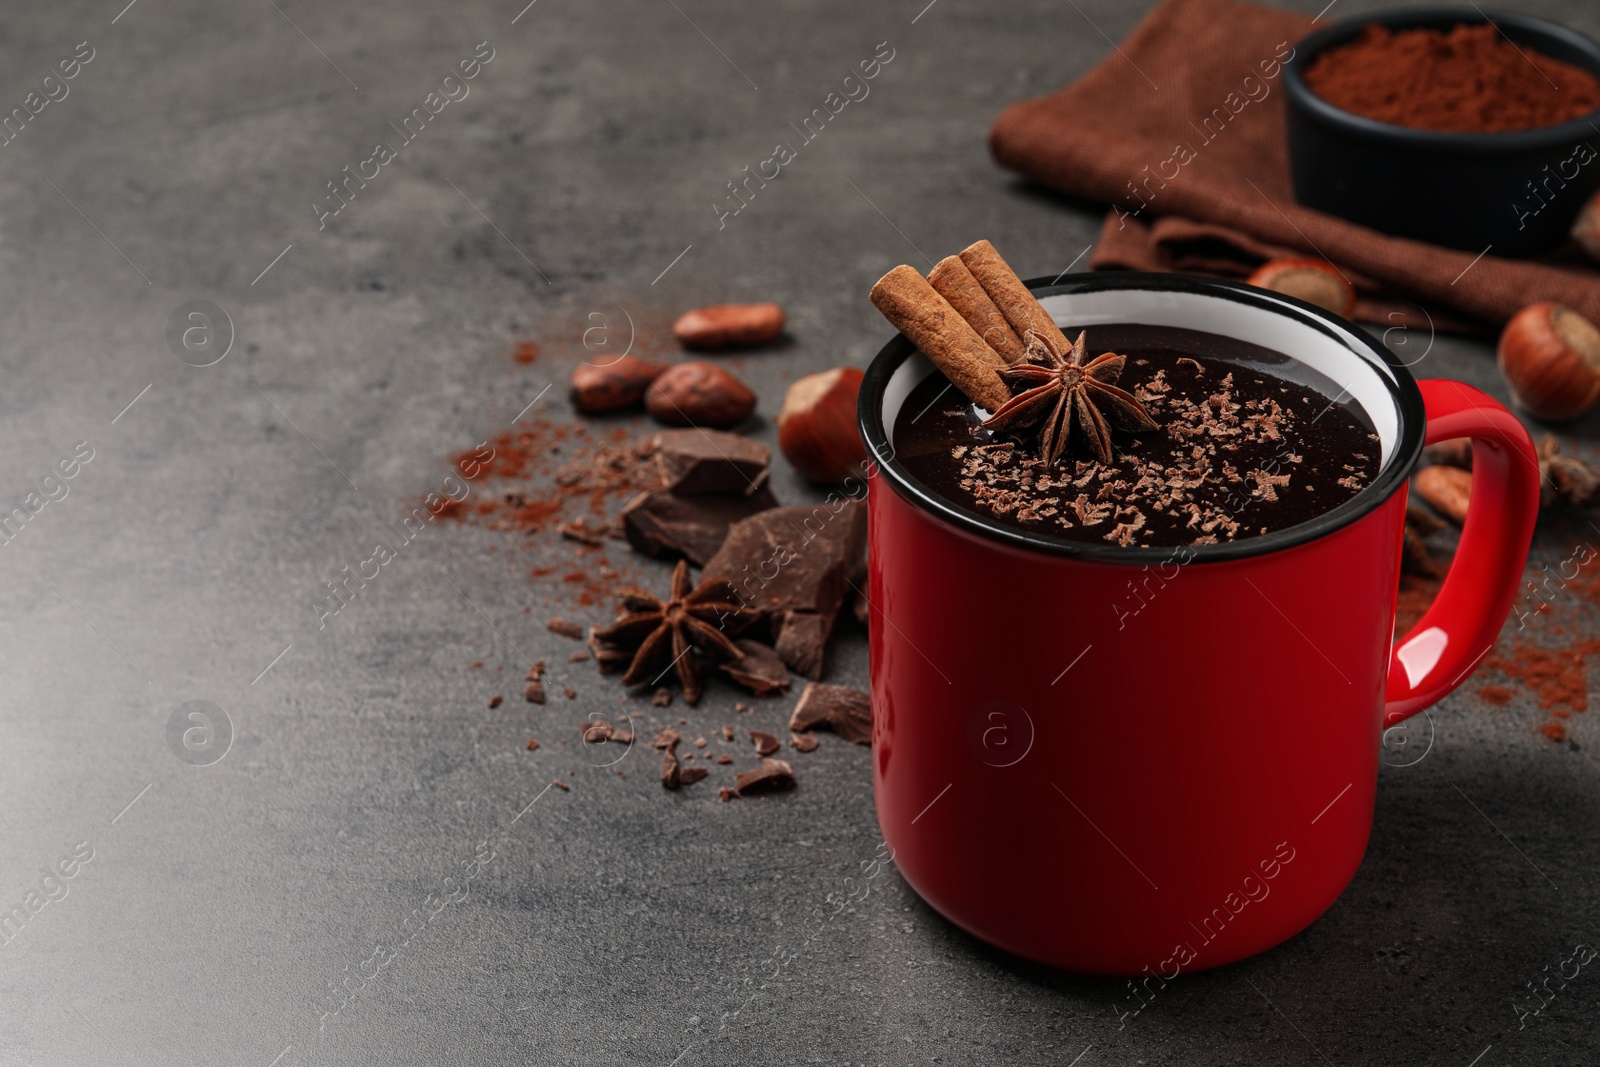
[(1215, 196)]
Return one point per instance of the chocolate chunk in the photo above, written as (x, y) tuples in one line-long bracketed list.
[(667, 740), (803, 742), (622, 737), (814, 552), (697, 461), (564, 628), (536, 671), (699, 742), (496, 700), (725, 794), (845, 711), (762, 670), (724, 758), (533, 692), (607, 657), (664, 524), (533, 746), (663, 697), (578, 656), (671, 773), (766, 744), (727, 733), (570, 693), (593, 732), (740, 706), (563, 786), (772, 776), (803, 641), (691, 775)]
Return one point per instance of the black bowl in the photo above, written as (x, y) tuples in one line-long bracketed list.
[(1517, 193)]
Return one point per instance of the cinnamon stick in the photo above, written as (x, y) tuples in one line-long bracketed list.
[(956, 284), (1015, 302), (918, 311)]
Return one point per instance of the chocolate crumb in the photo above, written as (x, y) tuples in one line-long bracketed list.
[(691, 775), (663, 697), (766, 744), (803, 742), (578, 656), (563, 786), (725, 794), (570, 693), (561, 626), (533, 692), (699, 742), (536, 671), (496, 700), (724, 758), (533, 746), (667, 740), (671, 772), (593, 732), (727, 733)]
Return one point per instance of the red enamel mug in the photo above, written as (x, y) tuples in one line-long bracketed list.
[(1175, 787)]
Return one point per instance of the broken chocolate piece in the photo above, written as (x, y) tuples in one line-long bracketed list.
[(772, 776), (724, 758), (814, 551), (570, 693), (563, 786), (803, 742), (561, 626), (727, 733), (667, 740), (533, 692), (700, 742), (594, 732), (496, 700), (725, 794), (536, 671), (762, 670), (607, 656), (766, 744), (664, 524), (698, 461), (583, 533), (845, 711), (691, 775), (577, 656), (803, 641), (663, 697)]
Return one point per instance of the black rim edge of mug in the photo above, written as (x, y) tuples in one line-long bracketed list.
[(1401, 385), (1510, 142)]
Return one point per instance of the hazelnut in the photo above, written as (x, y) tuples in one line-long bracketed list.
[(1313, 280), (699, 394), (1550, 356), (1586, 230), (1445, 489), (817, 427), (598, 387), (729, 326)]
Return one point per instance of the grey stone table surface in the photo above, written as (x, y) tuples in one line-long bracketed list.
[(228, 910)]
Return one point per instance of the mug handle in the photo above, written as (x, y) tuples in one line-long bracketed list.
[(1462, 624)]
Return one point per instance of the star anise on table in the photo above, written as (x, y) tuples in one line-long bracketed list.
[(674, 634), (1056, 385)]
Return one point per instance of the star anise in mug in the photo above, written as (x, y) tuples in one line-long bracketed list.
[(1057, 385), (672, 635)]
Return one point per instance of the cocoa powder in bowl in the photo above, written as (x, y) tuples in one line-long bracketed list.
[(1471, 79)]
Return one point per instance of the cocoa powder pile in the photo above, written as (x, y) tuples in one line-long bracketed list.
[(1469, 80)]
